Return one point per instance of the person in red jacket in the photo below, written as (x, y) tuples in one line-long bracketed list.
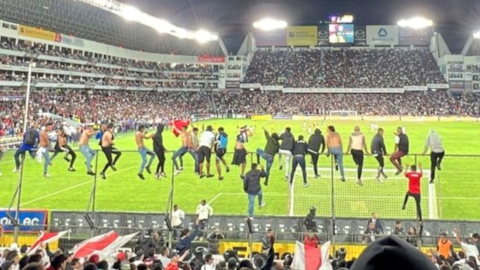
[(414, 187)]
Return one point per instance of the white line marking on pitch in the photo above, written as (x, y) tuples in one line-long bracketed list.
[(216, 197), (70, 188)]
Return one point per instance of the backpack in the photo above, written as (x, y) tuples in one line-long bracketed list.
[(30, 137)]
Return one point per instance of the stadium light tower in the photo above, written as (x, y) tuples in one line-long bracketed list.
[(268, 24), (476, 34), (415, 23)]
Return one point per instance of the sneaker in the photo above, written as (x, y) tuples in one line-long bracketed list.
[(251, 218), (265, 183), (163, 174), (281, 167), (141, 176), (398, 172), (290, 185), (242, 176), (114, 168), (180, 169), (403, 207), (46, 175), (210, 175), (342, 179), (432, 181), (103, 176), (202, 176), (379, 180), (66, 159), (262, 205), (439, 167), (385, 176), (227, 170), (148, 170), (71, 169), (336, 167), (15, 170), (306, 185), (220, 178), (359, 182), (177, 172), (157, 175), (91, 173), (317, 176)]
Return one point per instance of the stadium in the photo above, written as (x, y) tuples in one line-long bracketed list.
[(101, 101)]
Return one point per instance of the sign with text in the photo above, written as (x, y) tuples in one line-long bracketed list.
[(323, 35), (31, 221), (302, 35), (408, 36), (382, 35), (360, 35), (211, 58), (270, 38), (38, 33)]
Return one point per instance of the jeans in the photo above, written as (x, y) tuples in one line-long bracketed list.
[(21, 151), (46, 156), (268, 158), (251, 202), (144, 152), (182, 151), (89, 154), (299, 160), (338, 154)]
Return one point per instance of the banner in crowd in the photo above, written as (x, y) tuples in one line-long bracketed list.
[(211, 58), (31, 221), (282, 117), (311, 257), (262, 117), (382, 35), (250, 85), (302, 35), (415, 88), (437, 86), (270, 38), (44, 239), (101, 245), (70, 40), (343, 90), (360, 35), (38, 33), (408, 36), (271, 88), (322, 35)]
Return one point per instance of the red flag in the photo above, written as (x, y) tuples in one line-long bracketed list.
[(178, 125), (45, 238), (102, 245)]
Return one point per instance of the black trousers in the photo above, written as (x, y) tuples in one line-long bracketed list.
[(381, 163), (109, 151), (315, 157), (417, 203), (161, 160), (435, 159), (358, 159), (70, 152)]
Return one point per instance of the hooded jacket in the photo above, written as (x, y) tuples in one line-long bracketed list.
[(272, 146), (392, 253), (158, 139), (251, 185), (316, 141), (287, 141)]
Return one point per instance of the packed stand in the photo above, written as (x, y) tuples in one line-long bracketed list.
[(348, 68)]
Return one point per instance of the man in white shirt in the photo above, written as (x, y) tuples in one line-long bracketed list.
[(207, 140), (434, 142), (209, 263), (204, 211), (164, 252), (469, 249), (177, 219)]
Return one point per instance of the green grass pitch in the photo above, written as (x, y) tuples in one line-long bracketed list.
[(453, 196)]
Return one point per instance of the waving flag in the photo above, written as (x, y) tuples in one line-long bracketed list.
[(311, 258), (179, 124), (44, 239), (101, 245)]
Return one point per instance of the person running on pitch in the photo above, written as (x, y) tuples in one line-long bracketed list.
[(316, 142), (108, 149), (44, 148), (85, 148), (159, 150), (62, 146), (299, 151), (378, 151), (240, 154), (221, 142), (286, 150), (187, 146), (271, 148), (207, 141), (30, 139), (414, 188), (334, 145), (434, 142), (357, 144), (139, 136)]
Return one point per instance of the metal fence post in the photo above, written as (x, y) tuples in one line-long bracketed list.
[(169, 211), (16, 230), (332, 179)]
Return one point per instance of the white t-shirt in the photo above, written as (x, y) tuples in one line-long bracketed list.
[(471, 250), (208, 267), (207, 138), (204, 211), (177, 218)]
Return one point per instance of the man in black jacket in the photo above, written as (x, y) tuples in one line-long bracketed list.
[(314, 143), (286, 149), (271, 148), (299, 151), (252, 187), (401, 150), (378, 151)]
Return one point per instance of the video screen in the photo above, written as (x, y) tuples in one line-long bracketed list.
[(341, 33)]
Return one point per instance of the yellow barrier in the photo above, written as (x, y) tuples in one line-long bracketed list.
[(262, 117), (6, 240)]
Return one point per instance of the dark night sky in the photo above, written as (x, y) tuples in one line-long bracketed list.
[(455, 19)]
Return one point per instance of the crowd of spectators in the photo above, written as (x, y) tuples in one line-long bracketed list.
[(363, 68)]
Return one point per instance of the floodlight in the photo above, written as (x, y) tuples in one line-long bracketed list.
[(476, 35), (130, 13), (415, 23), (270, 24), (204, 36)]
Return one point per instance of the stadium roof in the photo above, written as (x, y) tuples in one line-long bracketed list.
[(85, 21)]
